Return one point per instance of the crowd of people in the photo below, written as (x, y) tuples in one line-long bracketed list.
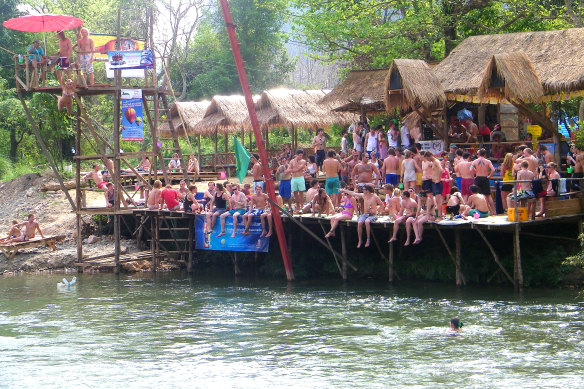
[(375, 176)]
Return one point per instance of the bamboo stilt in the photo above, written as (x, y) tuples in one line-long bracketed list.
[(517, 270)]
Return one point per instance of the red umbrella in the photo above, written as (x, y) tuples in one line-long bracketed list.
[(43, 23)]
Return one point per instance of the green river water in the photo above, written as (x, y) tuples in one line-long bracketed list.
[(173, 331)]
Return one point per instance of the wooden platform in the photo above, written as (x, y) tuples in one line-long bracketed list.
[(11, 249)]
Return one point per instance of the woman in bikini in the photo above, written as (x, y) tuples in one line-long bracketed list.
[(349, 206), (426, 208), (455, 205)]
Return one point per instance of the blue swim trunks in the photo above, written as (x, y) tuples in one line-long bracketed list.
[(391, 178), (332, 185), (285, 189)]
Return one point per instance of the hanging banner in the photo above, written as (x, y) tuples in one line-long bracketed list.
[(104, 43), (435, 146), (135, 59), (132, 122), (251, 242)]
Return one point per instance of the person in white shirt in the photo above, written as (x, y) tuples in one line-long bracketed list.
[(371, 142), (405, 137)]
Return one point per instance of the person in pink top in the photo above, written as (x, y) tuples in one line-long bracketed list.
[(170, 197)]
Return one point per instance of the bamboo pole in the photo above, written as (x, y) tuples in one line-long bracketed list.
[(457, 249), (190, 243), (517, 269), (331, 248), (344, 251), (390, 260), (78, 192), (495, 256), (116, 152)]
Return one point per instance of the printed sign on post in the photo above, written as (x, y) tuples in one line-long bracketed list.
[(435, 146), (132, 122), (251, 242)]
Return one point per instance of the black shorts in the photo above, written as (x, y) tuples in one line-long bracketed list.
[(437, 188), (319, 157), (484, 185), (453, 209), (427, 185), (507, 187)]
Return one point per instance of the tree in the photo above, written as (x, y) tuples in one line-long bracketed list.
[(371, 33), (14, 121), (210, 64)]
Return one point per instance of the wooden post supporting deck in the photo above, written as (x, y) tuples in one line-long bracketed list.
[(390, 260), (517, 270), (457, 258), (190, 243), (343, 252), (78, 192)]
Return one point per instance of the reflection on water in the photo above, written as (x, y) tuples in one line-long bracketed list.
[(167, 331)]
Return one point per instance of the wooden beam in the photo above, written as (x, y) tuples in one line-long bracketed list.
[(495, 256), (331, 249), (45, 151), (457, 249), (78, 193), (390, 260), (452, 256), (343, 251), (517, 269)]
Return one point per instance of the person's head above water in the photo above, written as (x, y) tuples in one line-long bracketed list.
[(455, 324)]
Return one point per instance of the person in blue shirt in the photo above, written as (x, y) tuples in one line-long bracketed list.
[(36, 58)]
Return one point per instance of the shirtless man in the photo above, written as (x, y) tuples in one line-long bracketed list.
[(526, 194), (436, 170), (30, 228), (418, 157), (13, 233), (472, 129), (547, 156), (372, 204), (483, 170), (257, 207), (531, 160), (462, 170), (477, 203), (390, 168), (285, 188), (64, 53), (153, 201), (457, 158), (319, 143), (332, 167), (85, 48), (238, 204), (363, 172), (296, 168), (96, 176), (408, 209), (257, 171), (351, 163), (578, 169), (310, 193)]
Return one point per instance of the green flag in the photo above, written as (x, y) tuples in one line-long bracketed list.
[(242, 158)]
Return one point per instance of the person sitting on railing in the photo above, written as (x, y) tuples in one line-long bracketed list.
[(553, 178), (525, 195), (174, 163), (144, 165), (193, 165), (36, 59)]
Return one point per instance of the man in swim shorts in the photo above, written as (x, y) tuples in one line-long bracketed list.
[(477, 203), (85, 49), (65, 50), (296, 168), (462, 170), (319, 143), (390, 168), (372, 205), (332, 167), (96, 176), (484, 170)]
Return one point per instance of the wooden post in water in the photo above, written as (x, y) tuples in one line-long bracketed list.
[(116, 163), (344, 252), (190, 243), (390, 260), (78, 192), (457, 255), (517, 270)]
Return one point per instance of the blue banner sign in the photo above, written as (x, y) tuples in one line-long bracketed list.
[(132, 118), (134, 59), (251, 242)]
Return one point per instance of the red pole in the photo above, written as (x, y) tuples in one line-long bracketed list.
[(258, 136)]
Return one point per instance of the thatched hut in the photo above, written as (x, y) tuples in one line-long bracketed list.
[(296, 108), (552, 53), (411, 84), (512, 76), (189, 112), (361, 92), (225, 114)]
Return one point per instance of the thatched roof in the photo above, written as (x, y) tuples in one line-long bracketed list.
[(191, 112), (511, 75), (554, 55), (297, 108), (410, 83), (225, 114), (361, 89)]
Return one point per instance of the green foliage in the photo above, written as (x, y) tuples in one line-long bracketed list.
[(371, 33), (210, 64), (576, 260)]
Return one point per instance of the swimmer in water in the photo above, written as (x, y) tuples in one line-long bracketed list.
[(455, 324)]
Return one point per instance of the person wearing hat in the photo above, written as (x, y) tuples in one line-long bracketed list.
[(36, 58), (64, 53)]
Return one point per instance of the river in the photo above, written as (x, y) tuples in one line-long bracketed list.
[(173, 331)]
